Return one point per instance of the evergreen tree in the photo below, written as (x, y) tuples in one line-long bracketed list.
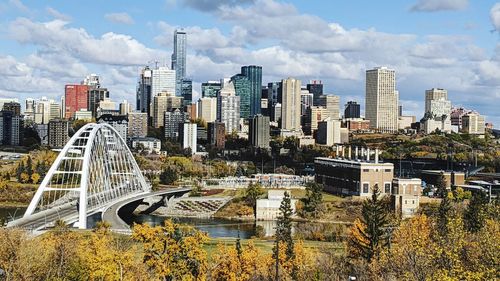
[(313, 198), (19, 171), (238, 244), (441, 187), (284, 229), (372, 233), (168, 175), (29, 166), (443, 216), (475, 213)]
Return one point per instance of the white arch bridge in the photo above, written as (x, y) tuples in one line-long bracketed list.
[(94, 170)]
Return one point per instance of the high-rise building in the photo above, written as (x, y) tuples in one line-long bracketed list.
[(315, 87), (228, 107), (254, 75), (352, 110), (290, 111), (75, 98), (187, 91), (242, 89), (207, 109), (314, 114), (5, 100), (191, 111), (473, 123), (125, 107), (163, 80), (10, 128), (82, 115), (189, 136), (29, 110), (306, 101), (172, 121), (332, 105), (259, 131), (55, 110), (137, 124), (437, 111), (382, 99), (328, 132), (273, 97), (119, 123), (92, 80), (13, 107), (58, 133), (179, 59), (209, 89), (164, 102), (457, 114), (216, 134), (95, 96), (143, 98)]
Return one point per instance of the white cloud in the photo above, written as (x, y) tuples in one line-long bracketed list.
[(439, 5), (495, 16), (18, 4), (211, 5), (121, 18), (57, 15)]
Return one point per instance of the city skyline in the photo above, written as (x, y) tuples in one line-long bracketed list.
[(453, 47)]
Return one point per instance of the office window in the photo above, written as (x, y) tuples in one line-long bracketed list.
[(366, 186), (366, 170), (387, 188), (387, 170)]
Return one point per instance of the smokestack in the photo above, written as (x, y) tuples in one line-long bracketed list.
[(376, 155), (368, 155), (356, 152)]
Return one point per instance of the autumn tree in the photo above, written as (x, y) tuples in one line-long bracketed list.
[(313, 199), (441, 190), (168, 175), (284, 232), (443, 216), (252, 193), (173, 251), (368, 234), (475, 214)]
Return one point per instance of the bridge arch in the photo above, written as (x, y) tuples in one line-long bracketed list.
[(94, 169)]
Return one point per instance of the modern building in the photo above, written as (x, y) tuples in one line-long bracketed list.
[(328, 132), (254, 75), (143, 94), (75, 98), (242, 88), (163, 80), (209, 89), (274, 97), (150, 145), (13, 107), (83, 114), (269, 209), (315, 87), (228, 107), (358, 125), (216, 134), (7, 100), (95, 96), (352, 110), (259, 131), (437, 111), (306, 101), (119, 123), (187, 91), (137, 124), (382, 99), (189, 136), (58, 133), (43, 133), (163, 102), (354, 176), (456, 116), (125, 107), (473, 123), (290, 111), (172, 121), (179, 59), (11, 127), (92, 81), (191, 111), (314, 114), (332, 105), (45, 110), (29, 111), (405, 121), (207, 109)]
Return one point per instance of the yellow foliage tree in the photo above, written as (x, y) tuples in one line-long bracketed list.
[(25, 178), (173, 251), (302, 262), (355, 235), (35, 178)]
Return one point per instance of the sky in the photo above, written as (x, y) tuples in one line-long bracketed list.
[(450, 44)]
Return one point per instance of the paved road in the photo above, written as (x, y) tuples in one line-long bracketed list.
[(110, 215)]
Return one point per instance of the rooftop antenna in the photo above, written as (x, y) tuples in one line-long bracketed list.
[(156, 62)]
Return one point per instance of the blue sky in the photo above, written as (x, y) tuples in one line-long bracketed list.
[(451, 44)]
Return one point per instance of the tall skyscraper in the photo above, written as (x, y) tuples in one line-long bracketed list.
[(315, 87), (290, 111), (95, 96), (259, 131), (254, 75), (306, 101), (209, 89), (10, 128), (242, 89), (163, 80), (164, 102), (216, 134), (352, 110), (13, 107), (228, 107), (328, 132), (207, 109), (273, 97), (382, 99), (76, 98), (473, 123), (143, 98), (125, 107), (187, 91), (332, 105), (189, 136), (179, 59), (437, 111)]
